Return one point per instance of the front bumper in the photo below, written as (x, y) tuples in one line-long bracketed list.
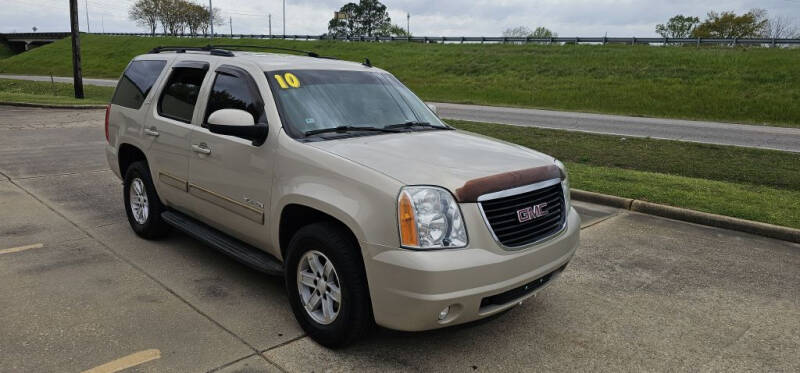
[(410, 288)]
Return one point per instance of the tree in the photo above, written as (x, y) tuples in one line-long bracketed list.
[(395, 30), (727, 25), (372, 16), (367, 18), (517, 32), (196, 16), (781, 28), (145, 13), (679, 26), (524, 32), (344, 22), (543, 32)]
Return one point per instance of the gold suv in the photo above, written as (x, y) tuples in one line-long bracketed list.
[(337, 177)]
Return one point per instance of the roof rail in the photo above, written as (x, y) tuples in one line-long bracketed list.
[(208, 48), (224, 50), (307, 53)]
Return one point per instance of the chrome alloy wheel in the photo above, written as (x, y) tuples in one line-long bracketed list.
[(138, 199), (318, 285)]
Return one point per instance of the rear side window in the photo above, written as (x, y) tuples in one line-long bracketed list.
[(180, 93), (136, 83), (232, 92)]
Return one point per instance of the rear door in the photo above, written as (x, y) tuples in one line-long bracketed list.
[(169, 129), (229, 177)]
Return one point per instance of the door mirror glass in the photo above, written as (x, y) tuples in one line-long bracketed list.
[(237, 123), (434, 109), (231, 117)]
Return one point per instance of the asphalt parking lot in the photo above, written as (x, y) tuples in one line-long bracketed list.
[(79, 290)]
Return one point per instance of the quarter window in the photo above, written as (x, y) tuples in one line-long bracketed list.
[(233, 92), (136, 83), (180, 94)]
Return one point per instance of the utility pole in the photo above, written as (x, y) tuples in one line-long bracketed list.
[(211, 18), (230, 22), (408, 24), (284, 19), (270, 25), (76, 49), (88, 26)]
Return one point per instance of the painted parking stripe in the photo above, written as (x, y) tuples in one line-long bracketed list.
[(20, 248), (126, 362)]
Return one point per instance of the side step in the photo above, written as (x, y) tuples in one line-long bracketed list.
[(247, 254)]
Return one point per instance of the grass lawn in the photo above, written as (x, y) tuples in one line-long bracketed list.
[(741, 85), (55, 94), (5, 51), (754, 184)]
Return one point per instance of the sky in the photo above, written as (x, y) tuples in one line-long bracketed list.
[(588, 18)]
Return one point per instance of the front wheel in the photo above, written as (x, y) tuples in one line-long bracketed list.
[(327, 286)]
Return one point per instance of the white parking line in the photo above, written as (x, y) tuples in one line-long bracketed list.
[(20, 248), (126, 362)]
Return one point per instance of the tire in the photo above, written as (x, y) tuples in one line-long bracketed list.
[(353, 317), (144, 214)]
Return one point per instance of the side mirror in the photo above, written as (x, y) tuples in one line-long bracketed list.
[(434, 109), (237, 123)]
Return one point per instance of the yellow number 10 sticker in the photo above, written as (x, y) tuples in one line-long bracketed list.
[(287, 80)]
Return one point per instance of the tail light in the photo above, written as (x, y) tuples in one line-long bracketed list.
[(108, 111)]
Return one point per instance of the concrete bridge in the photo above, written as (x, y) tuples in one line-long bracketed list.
[(20, 42)]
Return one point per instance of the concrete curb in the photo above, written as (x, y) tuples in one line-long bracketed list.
[(691, 216), (52, 106)]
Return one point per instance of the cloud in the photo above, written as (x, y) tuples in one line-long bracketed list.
[(428, 17)]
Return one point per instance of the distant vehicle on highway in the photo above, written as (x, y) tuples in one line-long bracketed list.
[(336, 176)]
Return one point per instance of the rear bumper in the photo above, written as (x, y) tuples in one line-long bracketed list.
[(410, 288)]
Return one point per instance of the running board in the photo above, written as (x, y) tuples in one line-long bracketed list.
[(247, 254)]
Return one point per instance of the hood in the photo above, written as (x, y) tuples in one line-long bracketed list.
[(443, 158)]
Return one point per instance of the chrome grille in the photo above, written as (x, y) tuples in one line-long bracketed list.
[(510, 226)]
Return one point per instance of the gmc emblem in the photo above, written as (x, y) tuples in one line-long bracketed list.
[(530, 213)]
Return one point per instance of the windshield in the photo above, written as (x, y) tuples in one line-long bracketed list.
[(313, 100)]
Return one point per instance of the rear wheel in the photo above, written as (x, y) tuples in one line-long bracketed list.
[(142, 204), (327, 286)]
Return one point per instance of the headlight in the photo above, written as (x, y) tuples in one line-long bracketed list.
[(564, 183), (429, 218)]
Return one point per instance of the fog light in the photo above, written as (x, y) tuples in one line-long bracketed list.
[(443, 313)]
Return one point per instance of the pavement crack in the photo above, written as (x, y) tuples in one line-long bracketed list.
[(223, 366), (279, 345), (601, 220)]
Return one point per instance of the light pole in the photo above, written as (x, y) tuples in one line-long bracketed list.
[(408, 24), (284, 19), (270, 25), (86, 7), (211, 17)]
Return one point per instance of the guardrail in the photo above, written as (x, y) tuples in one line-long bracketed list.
[(471, 39), (497, 39)]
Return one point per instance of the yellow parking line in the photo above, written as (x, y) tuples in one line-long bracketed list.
[(126, 362), (21, 248)]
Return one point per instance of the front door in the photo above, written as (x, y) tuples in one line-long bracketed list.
[(229, 177)]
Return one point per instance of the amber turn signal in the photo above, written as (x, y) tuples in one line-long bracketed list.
[(407, 222)]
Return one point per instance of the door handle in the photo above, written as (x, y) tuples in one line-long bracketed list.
[(201, 148), (151, 132)]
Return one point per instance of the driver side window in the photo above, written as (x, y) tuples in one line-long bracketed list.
[(233, 92)]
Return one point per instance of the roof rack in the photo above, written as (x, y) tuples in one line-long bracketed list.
[(208, 48), (307, 53), (224, 50)]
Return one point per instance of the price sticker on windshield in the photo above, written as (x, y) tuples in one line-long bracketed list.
[(287, 81)]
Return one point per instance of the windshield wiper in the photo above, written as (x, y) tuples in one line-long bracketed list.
[(350, 129), (411, 124)]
